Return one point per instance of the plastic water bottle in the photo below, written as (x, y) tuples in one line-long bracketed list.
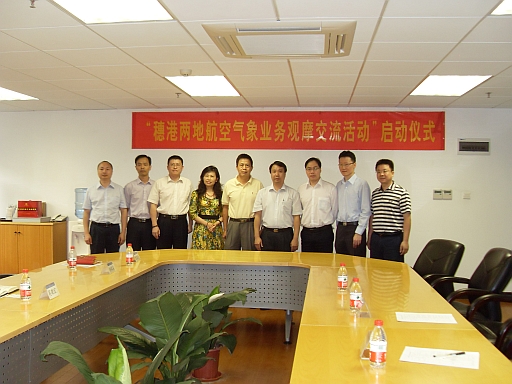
[(356, 296), (72, 258), (378, 346), (25, 286), (129, 254), (342, 278)]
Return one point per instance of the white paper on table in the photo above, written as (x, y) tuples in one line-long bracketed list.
[(96, 263), (415, 317), (469, 360)]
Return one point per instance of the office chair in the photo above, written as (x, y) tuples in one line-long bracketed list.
[(439, 258), (491, 276), (497, 332), (4, 275)]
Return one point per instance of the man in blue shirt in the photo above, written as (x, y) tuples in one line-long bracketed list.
[(353, 208), (105, 206)]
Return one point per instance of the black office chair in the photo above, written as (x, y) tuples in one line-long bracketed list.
[(497, 332), (491, 276), (439, 258), (4, 275)]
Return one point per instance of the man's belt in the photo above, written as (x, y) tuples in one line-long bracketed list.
[(103, 224), (348, 223), (276, 230), (139, 220), (242, 220), (172, 217)]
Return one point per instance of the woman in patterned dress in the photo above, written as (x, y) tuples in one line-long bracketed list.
[(206, 211)]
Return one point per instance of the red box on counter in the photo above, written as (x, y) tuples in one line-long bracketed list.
[(30, 208)]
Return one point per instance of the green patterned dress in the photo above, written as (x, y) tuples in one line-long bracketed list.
[(202, 238)]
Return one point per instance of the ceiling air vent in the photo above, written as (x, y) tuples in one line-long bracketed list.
[(474, 146), (283, 39)]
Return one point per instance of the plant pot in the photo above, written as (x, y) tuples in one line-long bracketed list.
[(210, 371)]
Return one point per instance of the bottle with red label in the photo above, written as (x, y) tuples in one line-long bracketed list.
[(72, 259), (25, 286), (342, 278), (378, 345), (356, 296), (129, 254)]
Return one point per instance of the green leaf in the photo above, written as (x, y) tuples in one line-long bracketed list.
[(71, 355), (254, 320), (101, 378), (133, 340), (227, 340), (162, 316), (118, 365), (136, 367), (150, 374)]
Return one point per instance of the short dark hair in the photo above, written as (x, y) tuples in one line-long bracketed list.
[(385, 162), (243, 156), (279, 164), (174, 157), (348, 154), (313, 159), (105, 161), (141, 156)]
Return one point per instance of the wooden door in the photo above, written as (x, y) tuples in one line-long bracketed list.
[(34, 246), (9, 249)]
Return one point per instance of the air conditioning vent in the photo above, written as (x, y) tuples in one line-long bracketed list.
[(283, 39), (474, 146)]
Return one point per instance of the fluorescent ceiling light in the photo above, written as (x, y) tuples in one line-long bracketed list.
[(204, 85), (7, 94), (448, 85), (505, 8), (115, 11)]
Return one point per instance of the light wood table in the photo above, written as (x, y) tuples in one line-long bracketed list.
[(329, 338)]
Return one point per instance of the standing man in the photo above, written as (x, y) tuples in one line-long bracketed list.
[(105, 206), (277, 213), (353, 208), (170, 200), (319, 206), (390, 223), (237, 201), (136, 192)]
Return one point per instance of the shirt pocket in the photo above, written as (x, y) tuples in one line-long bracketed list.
[(287, 205), (324, 204)]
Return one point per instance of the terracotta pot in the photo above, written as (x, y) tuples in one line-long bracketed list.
[(210, 371)]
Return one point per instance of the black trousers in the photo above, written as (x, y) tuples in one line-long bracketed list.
[(173, 232), (344, 241), (277, 240), (104, 238), (386, 247), (138, 234), (317, 239)]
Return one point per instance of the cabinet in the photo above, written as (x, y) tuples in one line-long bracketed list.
[(31, 245)]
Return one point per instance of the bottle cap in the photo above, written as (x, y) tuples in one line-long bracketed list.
[(72, 247), (379, 323), (25, 270), (342, 264), (356, 279), (129, 244)]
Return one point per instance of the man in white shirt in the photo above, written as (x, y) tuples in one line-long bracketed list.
[(353, 208), (277, 213), (136, 192), (170, 200), (319, 206), (237, 201), (105, 206)]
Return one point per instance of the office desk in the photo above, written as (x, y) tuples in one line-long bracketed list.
[(90, 300)]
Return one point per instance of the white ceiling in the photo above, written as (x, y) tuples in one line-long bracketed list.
[(48, 54)]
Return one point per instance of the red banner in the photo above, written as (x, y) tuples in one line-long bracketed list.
[(288, 130)]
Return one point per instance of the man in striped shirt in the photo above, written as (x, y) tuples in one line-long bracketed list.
[(390, 222)]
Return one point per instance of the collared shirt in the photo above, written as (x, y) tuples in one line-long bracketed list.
[(278, 207), (105, 203), (388, 208), (172, 197), (240, 197), (354, 202), (319, 204), (136, 193)]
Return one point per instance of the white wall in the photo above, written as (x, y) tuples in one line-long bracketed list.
[(46, 155)]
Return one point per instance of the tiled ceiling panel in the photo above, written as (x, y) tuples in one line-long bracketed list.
[(49, 54)]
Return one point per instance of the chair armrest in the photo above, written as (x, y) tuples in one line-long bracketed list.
[(433, 276), (466, 293), (475, 305), (449, 279), (507, 326)]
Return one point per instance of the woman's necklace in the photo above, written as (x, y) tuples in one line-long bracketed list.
[(211, 194)]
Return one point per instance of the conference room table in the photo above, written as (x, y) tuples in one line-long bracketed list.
[(330, 336)]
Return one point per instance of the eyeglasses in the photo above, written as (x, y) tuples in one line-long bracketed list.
[(175, 165), (345, 165), (384, 172), (312, 169)]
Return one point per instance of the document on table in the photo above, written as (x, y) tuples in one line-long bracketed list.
[(6, 289), (414, 317), (444, 357)]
